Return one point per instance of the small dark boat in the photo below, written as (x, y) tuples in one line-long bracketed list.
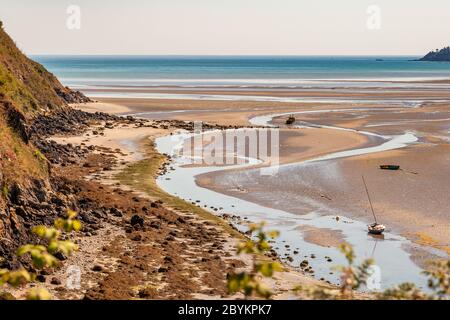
[(290, 120), (389, 167)]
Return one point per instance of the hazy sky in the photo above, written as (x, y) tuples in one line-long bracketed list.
[(292, 27)]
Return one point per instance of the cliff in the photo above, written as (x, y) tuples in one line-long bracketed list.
[(27, 91)]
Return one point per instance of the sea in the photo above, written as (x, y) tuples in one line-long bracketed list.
[(244, 71)]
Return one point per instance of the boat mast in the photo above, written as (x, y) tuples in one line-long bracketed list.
[(370, 201)]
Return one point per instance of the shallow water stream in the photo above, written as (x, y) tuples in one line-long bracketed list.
[(391, 253)]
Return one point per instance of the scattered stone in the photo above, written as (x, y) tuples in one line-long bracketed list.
[(137, 220), (40, 278), (97, 268), (116, 212), (137, 237)]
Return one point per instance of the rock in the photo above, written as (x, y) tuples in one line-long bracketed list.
[(40, 278), (181, 220), (60, 256), (116, 212), (146, 293), (97, 268), (55, 281), (137, 220), (155, 224), (137, 237), (304, 264)]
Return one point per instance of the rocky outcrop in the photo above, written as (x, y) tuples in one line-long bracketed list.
[(438, 55), (16, 120), (71, 96)]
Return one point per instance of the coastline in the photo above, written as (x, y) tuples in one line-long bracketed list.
[(308, 140), (341, 130), (136, 166)]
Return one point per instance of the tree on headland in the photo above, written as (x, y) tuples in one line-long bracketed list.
[(438, 55)]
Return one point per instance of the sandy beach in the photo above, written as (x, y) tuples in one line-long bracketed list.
[(411, 202), (217, 159), (353, 134), (129, 146)]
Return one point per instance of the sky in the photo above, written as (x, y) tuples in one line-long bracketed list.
[(228, 27)]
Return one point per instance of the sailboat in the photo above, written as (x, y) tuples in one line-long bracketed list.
[(374, 228)]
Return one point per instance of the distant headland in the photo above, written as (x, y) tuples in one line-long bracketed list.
[(437, 55)]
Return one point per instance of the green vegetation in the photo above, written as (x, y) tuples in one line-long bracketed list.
[(141, 177), (354, 277), (24, 82), (38, 154), (18, 161), (249, 283), (438, 283), (26, 89), (5, 191), (437, 55), (42, 256)]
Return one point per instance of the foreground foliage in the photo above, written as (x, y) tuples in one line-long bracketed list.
[(249, 283), (355, 277), (42, 256)]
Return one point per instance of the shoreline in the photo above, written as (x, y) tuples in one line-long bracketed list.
[(291, 156), (137, 168), (242, 119)]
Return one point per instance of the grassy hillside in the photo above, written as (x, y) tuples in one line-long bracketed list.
[(27, 89), (24, 82)]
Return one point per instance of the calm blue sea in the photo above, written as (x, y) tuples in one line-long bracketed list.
[(88, 71)]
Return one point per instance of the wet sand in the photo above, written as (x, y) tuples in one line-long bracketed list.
[(129, 145), (431, 121), (412, 202)]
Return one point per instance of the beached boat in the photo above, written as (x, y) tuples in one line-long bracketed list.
[(290, 120), (389, 167), (376, 228)]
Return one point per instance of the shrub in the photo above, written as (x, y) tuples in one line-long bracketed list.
[(249, 283), (43, 256)]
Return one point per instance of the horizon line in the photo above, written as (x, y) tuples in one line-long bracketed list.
[(223, 55)]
